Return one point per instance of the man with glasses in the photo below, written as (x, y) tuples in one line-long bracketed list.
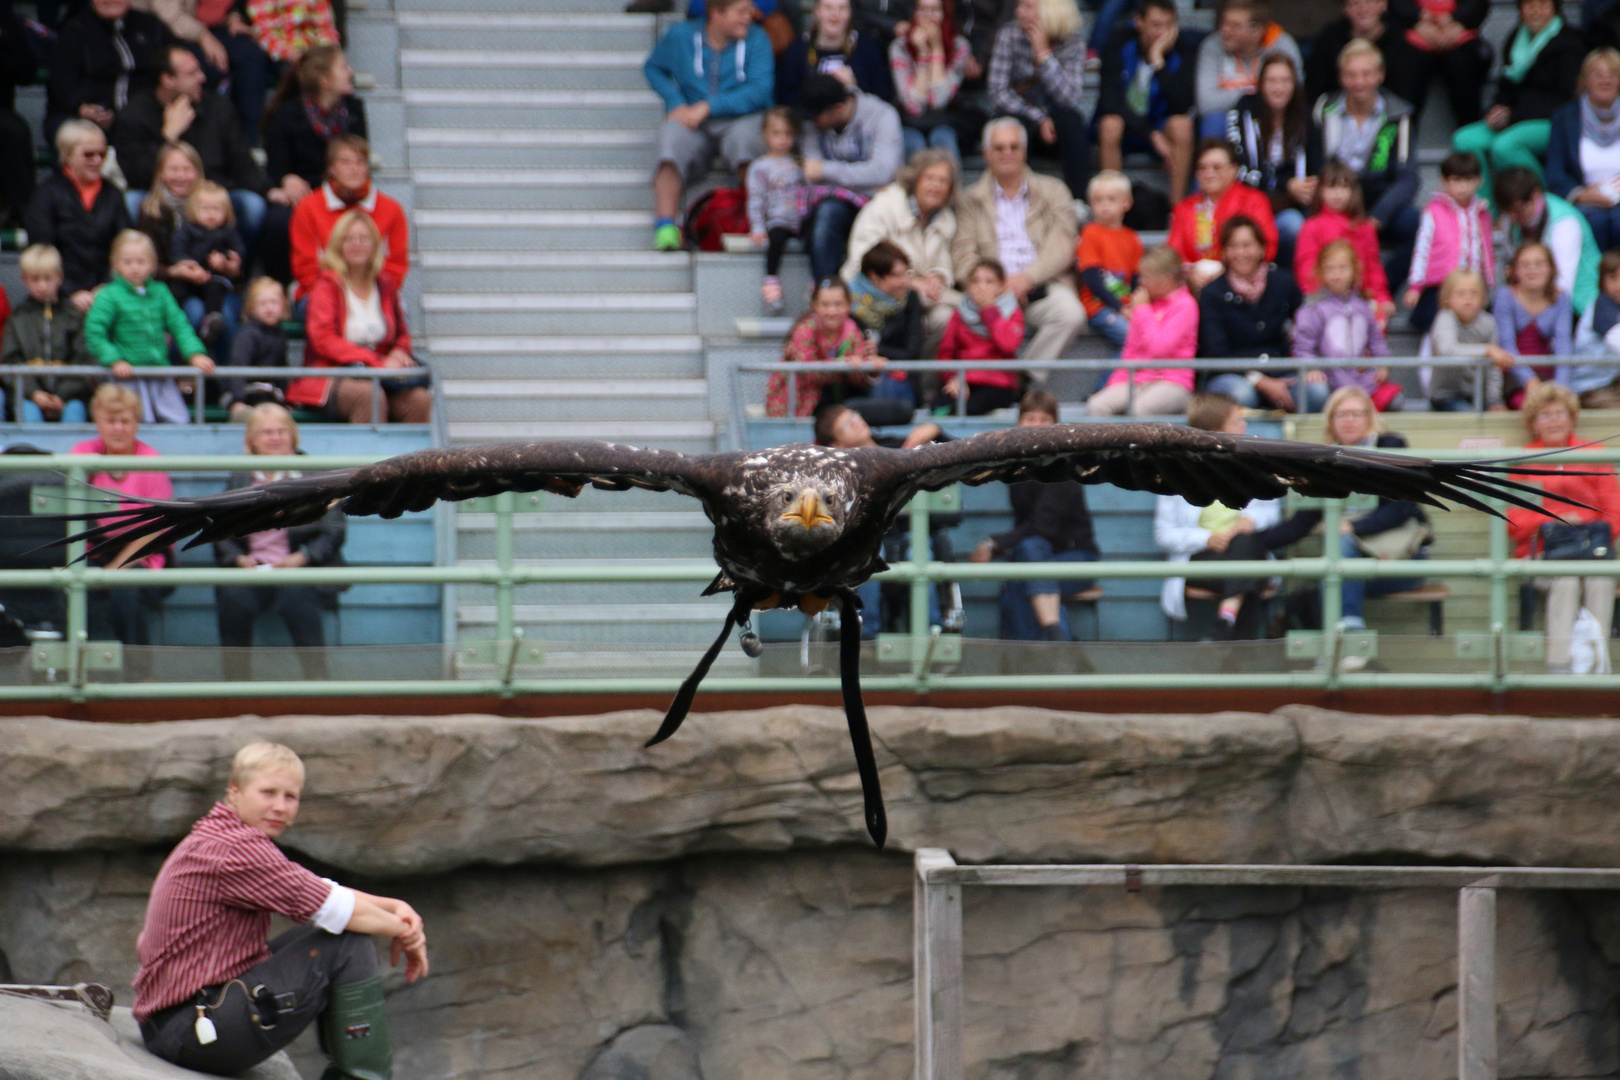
[(1026, 222)]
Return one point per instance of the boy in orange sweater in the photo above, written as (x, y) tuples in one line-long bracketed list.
[(1107, 257)]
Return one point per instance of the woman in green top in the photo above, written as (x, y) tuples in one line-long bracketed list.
[(130, 323)]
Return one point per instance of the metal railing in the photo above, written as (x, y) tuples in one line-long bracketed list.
[(17, 374), (937, 931), (1104, 364), (510, 677)]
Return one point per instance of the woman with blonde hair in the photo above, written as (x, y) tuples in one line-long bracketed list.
[(78, 213), (355, 318), (158, 212), (272, 432), (915, 213), (1550, 412), (1394, 529), (1037, 74), (1583, 147)]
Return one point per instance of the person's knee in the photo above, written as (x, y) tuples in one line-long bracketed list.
[(1110, 131), (1061, 309), (356, 958)]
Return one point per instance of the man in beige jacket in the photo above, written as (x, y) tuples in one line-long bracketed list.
[(1025, 221)]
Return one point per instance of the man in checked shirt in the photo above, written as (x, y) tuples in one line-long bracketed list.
[(211, 994)]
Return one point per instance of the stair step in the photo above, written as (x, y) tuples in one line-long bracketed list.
[(534, 32), (556, 271), (514, 344), (574, 388), (530, 109), (461, 147), (552, 614), (604, 7), (646, 363), (584, 69), (533, 189), (685, 435), (575, 313), (531, 229)]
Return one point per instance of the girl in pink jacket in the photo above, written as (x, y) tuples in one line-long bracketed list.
[(1164, 326), (1455, 235)]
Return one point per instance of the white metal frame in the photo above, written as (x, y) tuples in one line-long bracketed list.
[(937, 931)]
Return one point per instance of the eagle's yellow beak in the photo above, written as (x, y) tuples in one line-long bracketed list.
[(809, 513)]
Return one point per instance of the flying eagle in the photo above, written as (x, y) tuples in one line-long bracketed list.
[(803, 525)]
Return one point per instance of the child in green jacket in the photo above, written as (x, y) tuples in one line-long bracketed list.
[(129, 324)]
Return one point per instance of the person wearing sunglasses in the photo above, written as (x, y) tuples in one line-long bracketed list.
[(77, 212)]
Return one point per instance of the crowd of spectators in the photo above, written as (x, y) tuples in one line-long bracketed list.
[(1296, 237), (182, 187)]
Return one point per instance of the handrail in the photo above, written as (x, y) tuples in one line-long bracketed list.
[(919, 572), (19, 372), (1227, 364)]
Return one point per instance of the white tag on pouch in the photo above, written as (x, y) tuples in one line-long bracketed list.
[(205, 1029)]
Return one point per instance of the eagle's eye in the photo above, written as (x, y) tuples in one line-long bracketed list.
[(787, 498)]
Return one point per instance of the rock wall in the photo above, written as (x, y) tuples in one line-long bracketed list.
[(708, 908)]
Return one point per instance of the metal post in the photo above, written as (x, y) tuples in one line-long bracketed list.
[(920, 552), (376, 401), (199, 392), (961, 391), (1332, 579), (1476, 983), (1499, 592), (78, 614), (937, 980), (505, 618)]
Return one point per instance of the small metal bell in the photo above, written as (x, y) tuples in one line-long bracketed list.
[(750, 643)]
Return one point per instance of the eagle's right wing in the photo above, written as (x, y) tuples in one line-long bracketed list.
[(409, 482)]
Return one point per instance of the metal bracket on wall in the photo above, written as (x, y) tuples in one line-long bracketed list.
[(49, 656), (1481, 645), (1308, 644), (904, 649)]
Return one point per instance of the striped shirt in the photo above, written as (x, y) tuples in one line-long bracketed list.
[(209, 916), (1017, 252)]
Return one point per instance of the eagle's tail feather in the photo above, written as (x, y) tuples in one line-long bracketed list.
[(860, 737), (683, 697)]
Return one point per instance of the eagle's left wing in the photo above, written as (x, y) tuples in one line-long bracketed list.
[(389, 488), (1201, 467)]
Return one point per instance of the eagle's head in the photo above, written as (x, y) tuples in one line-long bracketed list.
[(804, 515)]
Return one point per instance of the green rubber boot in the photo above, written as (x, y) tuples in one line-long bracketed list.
[(354, 1033)]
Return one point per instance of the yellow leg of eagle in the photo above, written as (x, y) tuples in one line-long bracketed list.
[(765, 603), (811, 604)]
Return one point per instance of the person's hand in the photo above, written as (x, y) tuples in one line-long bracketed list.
[(1382, 310), (813, 169), (237, 26), (233, 264), (203, 363), (1531, 384), (984, 552), (292, 561), (96, 114), (177, 117), (46, 400), (930, 287), (758, 239), (1347, 528), (1316, 376), (845, 75), (1381, 375), (1302, 189), (919, 38), (952, 387), (1021, 285), (295, 187), (1500, 357), (1499, 117), (246, 562), (692, 116), (416, 961), (1039, 43), (399, 358), (217, 261), (213, 51), (1276, 391), (974, 69), (1219, 541), (1048, 131), (1411, 296), (123, 369), (1161, 46)]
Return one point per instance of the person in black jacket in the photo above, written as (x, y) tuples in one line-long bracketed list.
[(1541, 64), (271, 431), (104, 55), (1406, 67), (57, 214), (1446, 33), (1051, 524), (178, 110), (17, 68), (259, 342), (832, 47), (1351, 420), (1279, 147), (314, 104), (1147, 94)]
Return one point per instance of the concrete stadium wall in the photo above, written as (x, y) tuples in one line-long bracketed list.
[(708, 908)]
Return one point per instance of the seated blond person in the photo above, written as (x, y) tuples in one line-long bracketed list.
[(211, 994)]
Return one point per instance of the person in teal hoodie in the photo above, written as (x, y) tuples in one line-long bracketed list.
[(1531, 212), (130, 324), (716, 77)]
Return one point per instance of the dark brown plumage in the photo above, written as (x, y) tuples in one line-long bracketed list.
[(803, 525)]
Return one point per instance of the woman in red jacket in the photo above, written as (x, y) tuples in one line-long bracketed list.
[(354, 319), (1550, 412), (1195, 223)]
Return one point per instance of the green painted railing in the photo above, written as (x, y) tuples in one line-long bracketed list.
[(506, 655)]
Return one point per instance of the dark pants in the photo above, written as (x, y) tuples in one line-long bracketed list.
[(1073, 147), (1396, 240), (16, 166), (1245, 547), (777, 238), (275, 242), (1018, 622), (827, 234), (236, 606), (212, 293), (248, 80), (305, 963), (125, 615), (1425, 310), (1463, 72)]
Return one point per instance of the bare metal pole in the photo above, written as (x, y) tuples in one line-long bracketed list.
[(1476, 983), (937, 937)]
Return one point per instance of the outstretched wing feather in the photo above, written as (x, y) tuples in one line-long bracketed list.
[(1204, 467), (407, 483)]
